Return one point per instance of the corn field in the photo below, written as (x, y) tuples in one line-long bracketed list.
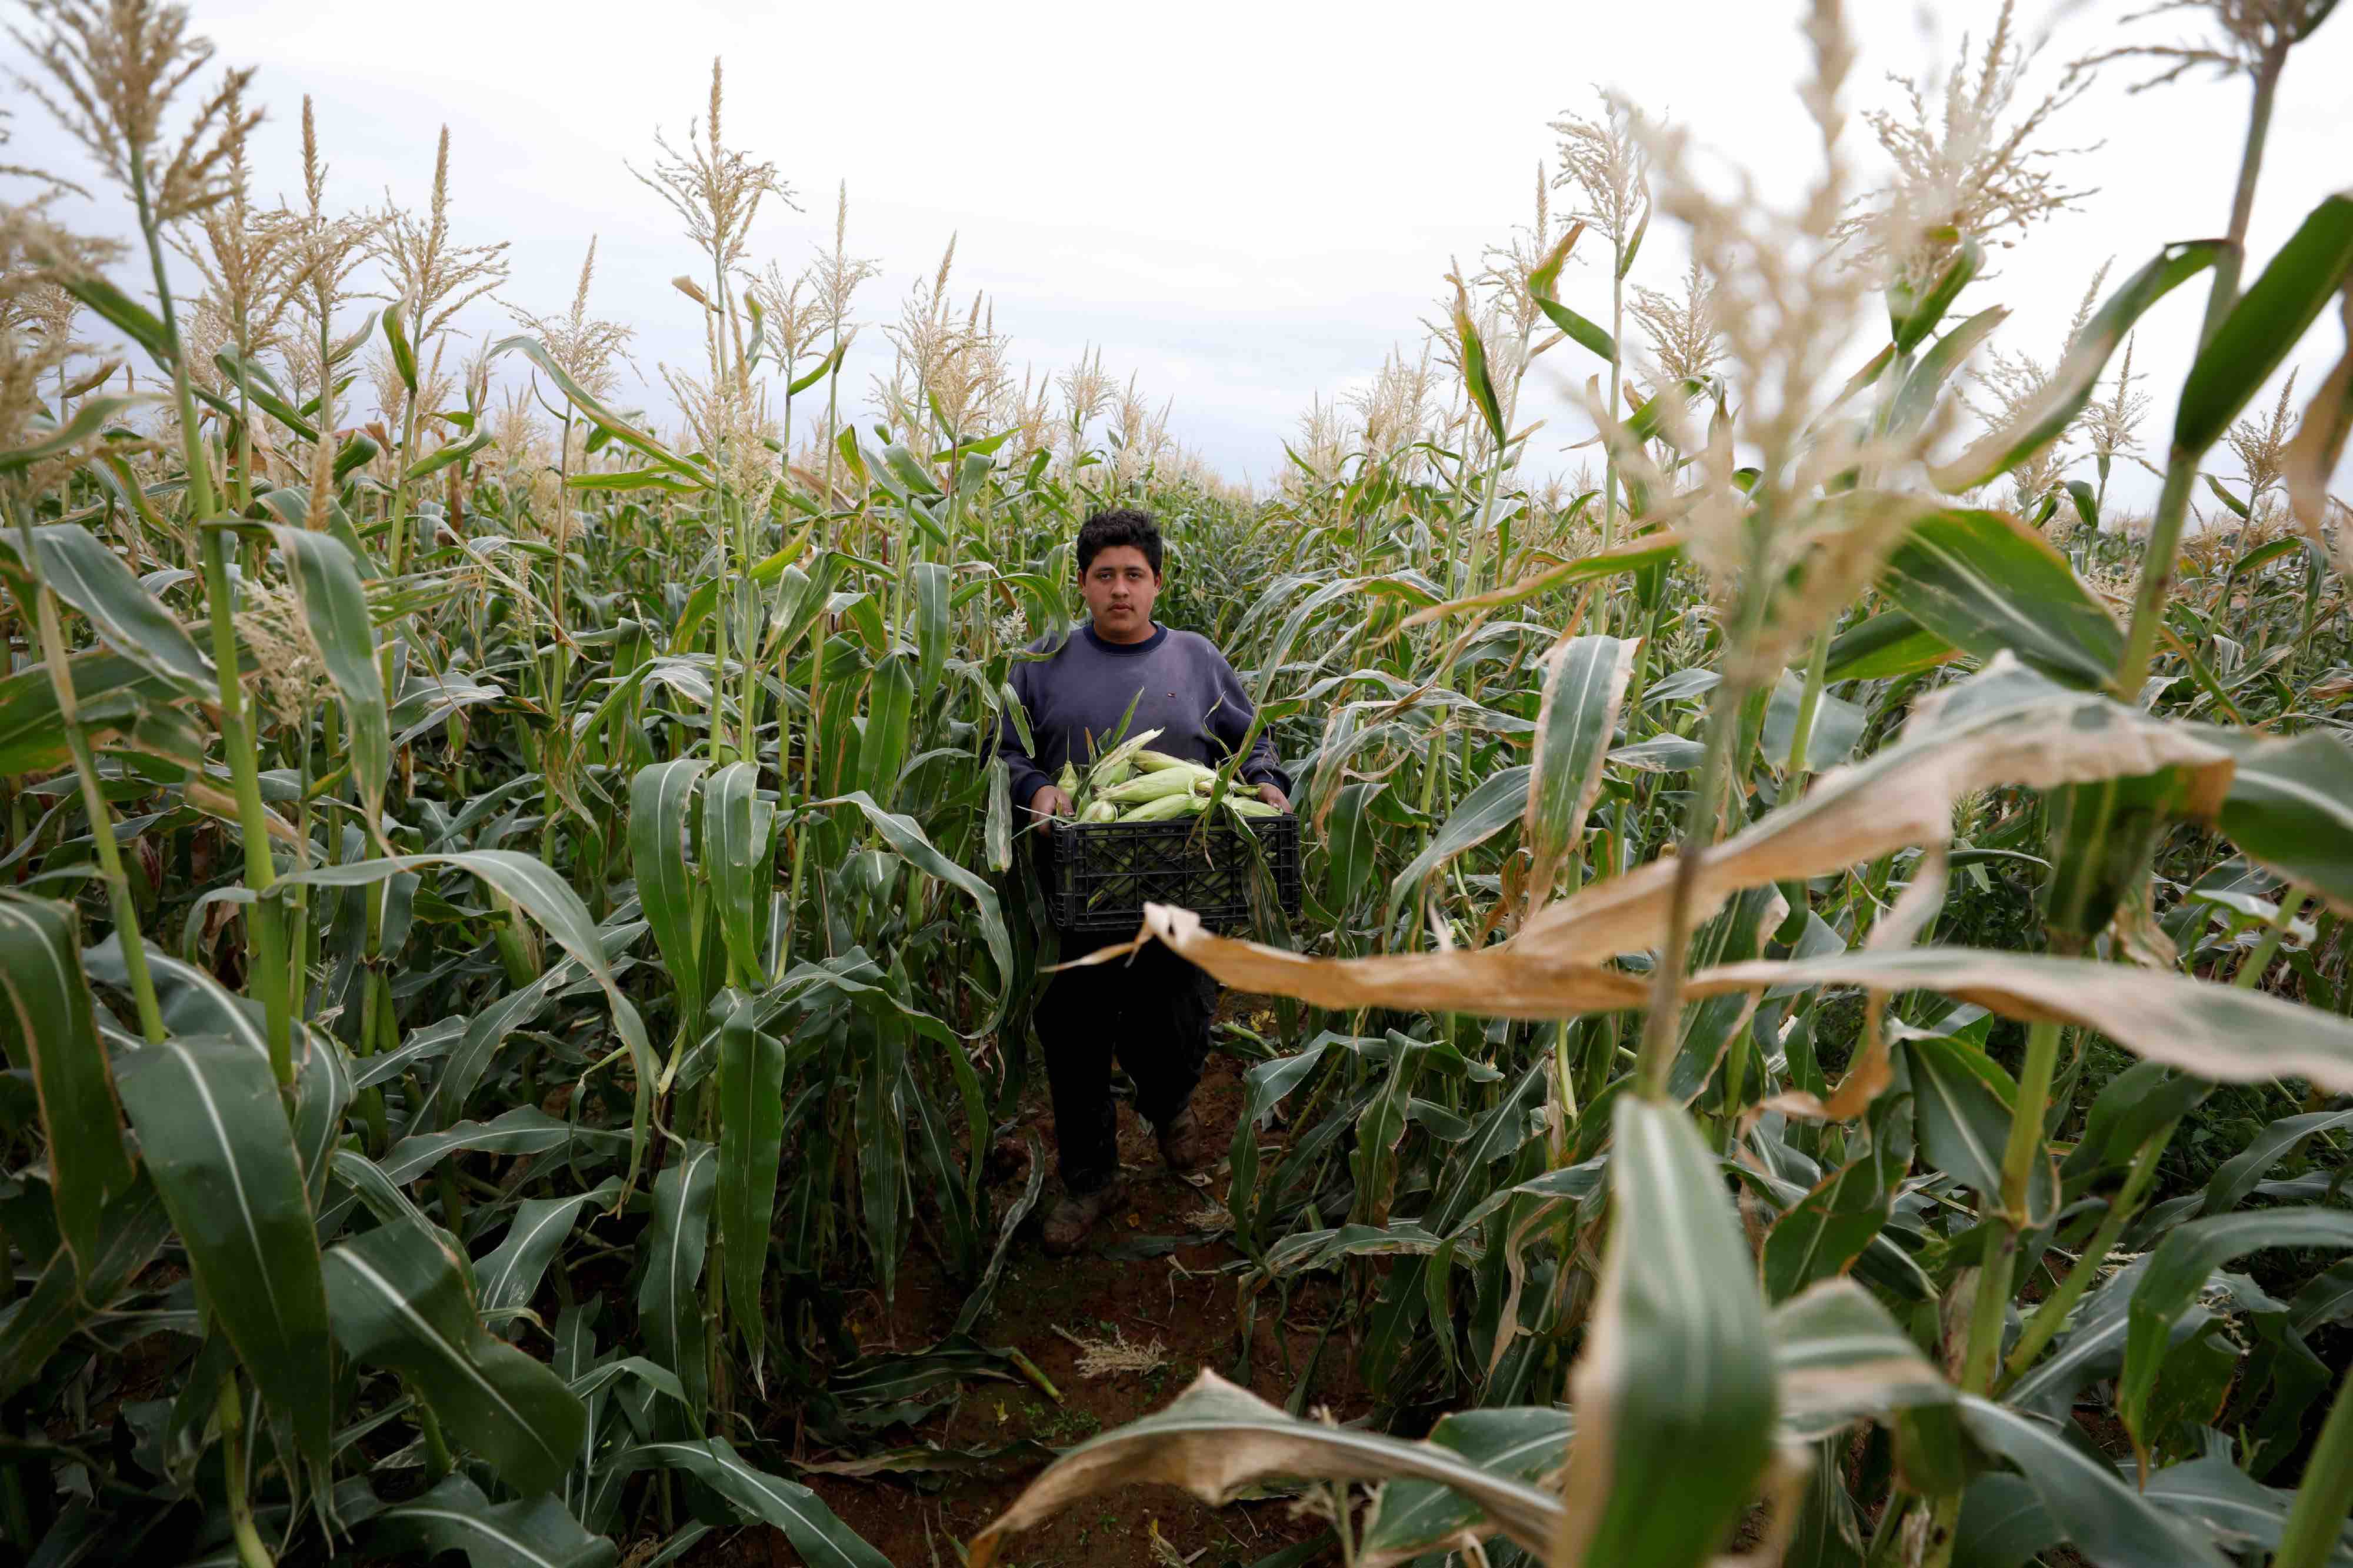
[(510, 915)]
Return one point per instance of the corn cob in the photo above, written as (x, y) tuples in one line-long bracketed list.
[(1166, 807), (1118, 765), (1101, 811), (1150, 786)]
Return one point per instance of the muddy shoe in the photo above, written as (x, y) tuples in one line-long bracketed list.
[(1069, 1221), (1188, 1146)]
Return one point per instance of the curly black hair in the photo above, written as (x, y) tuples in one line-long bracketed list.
[(1118, 525)]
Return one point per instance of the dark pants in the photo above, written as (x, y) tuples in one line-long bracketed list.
[(1153, 1012)]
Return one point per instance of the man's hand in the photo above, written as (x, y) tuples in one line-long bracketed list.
[(1269, 793), (1049, 801)]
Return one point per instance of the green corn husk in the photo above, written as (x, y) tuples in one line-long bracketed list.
[(1118, 765), (1166, 807), (1150, 786), (1160, 761), (1243, 807), (1069, 782), (1101, 811)]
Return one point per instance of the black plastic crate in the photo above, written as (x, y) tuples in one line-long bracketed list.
[(1100, 875)]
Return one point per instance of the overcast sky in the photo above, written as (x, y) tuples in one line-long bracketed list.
[(1247, 203)]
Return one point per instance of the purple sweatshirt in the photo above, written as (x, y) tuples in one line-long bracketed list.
[(1181, 685)]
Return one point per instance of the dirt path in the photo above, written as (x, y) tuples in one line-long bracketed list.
[(1175, 1300)]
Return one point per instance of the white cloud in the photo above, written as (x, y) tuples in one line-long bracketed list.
[(1246, 202)]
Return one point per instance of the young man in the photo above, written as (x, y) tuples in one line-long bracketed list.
[(1152, 1012)]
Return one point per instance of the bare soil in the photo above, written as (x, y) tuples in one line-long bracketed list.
[(1177, 1299)]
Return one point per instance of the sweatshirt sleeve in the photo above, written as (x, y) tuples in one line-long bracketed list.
[(1230, 712), (1025, 777)]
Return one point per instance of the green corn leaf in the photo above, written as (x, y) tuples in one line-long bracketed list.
[(767, 571), (817, 1534), (112, 694), (398, 318), (890, 707), (1912, 314), (518, 1130), (1412, 1518), (1580, 328), (265, 394), (1820, 1237), (2078, 372), (931, 580), (2264, 324), (2328, 1298), (1889, 643), (1675, 1389), (135, 321), (1838, 1354), (1544, 288), (510, 1275), (46, 1027), (2003, 1524), (932, 1135), (2093, 1508), (1502, 797), (1647, 422), (1982, 583), (214, 1141), (669, 1312), (2102, 836), (2289, 807), (1837, 731), (751, 1140), (68, 1296), (2234, 1179), (1651, 551), (997, 826), (327, 582), (86, 575), (2178, 1271), (2136, 1102), (1585, 684), (983, 1291), (1964, 1119), (467, 1060), (2214, 1493), (879, 1045), (2224, 496), (604, 418), (356, 452), (1918, 397), (534, 888), (371, 1185), (905, 837), (829, 365), (735, 826), (629, 479), (1473, 357), (400, 1302), (660, 798), (908, 470), (454, 452), (534, 1532)]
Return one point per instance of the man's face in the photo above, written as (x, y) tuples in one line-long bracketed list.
[(1119, 586)]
